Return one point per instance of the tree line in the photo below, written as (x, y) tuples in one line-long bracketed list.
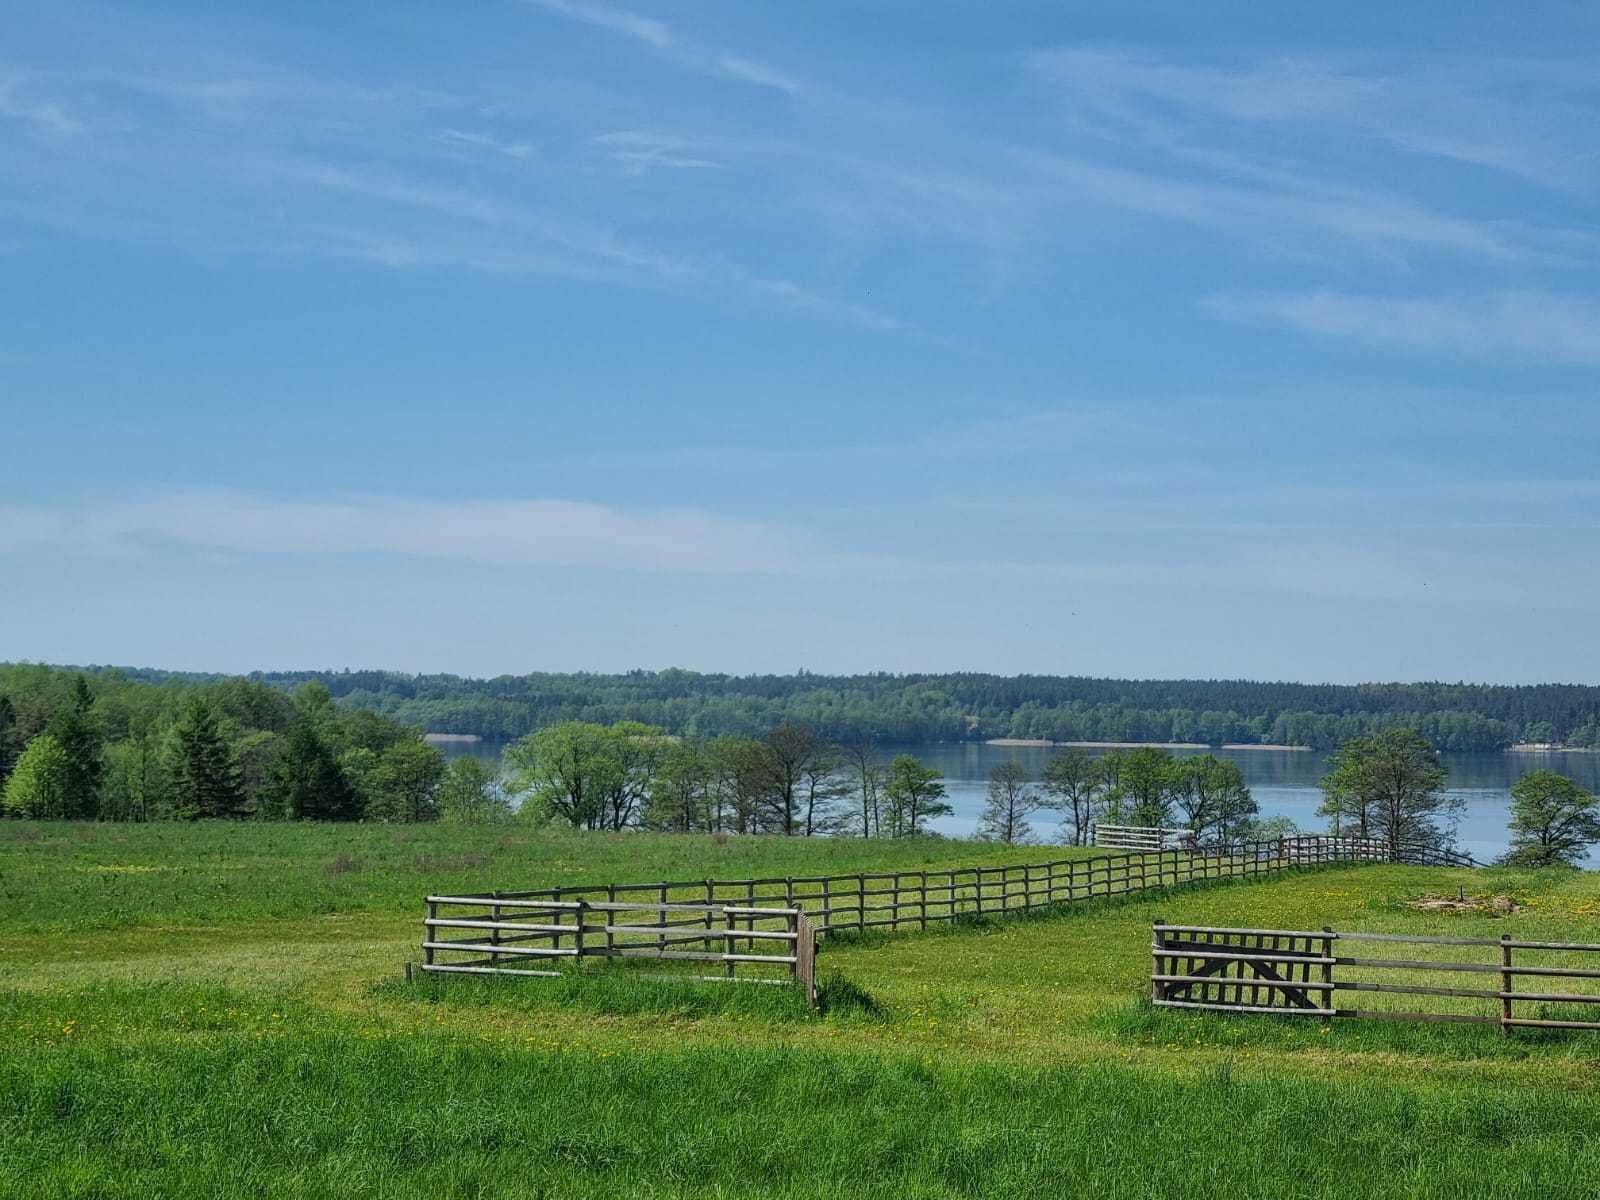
[(109, 747), (964, 706), (76, 747)]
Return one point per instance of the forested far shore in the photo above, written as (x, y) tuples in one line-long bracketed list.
[(938, 707)]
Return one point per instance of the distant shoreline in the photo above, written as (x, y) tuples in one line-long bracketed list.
[(1045, 743), (451, 737), (1547, 748)]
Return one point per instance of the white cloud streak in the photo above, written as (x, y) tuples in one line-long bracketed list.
[(507, 533), (1522, 326), (1509, 117), (748, 70), (612, 20)]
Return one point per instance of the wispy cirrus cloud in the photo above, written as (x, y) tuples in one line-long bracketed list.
[(507, 533), (1516, 118), (737, 66), (484, 141), (1517, 325), (613, 20), (640, 151)]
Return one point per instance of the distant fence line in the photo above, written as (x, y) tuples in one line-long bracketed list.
[(1298, 973), (1142, 837), (673, 914)]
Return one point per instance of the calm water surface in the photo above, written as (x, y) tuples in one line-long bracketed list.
[(1284, 783)]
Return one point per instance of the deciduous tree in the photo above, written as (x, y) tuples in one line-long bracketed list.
[(470, 793), (1390, 787), (1553, 821), (1074, 783), (40, 784), (1011, 799), (915, 795)]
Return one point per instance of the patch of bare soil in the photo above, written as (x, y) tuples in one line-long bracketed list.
[(1497, 906)]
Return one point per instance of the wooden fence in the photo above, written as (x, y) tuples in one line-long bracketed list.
[(1300, 972), (704, 920), (477, 935), (1142, 837)]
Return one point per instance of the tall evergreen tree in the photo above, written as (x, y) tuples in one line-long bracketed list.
[(311, 785), (10, 739), (78, 734), (205, 778)]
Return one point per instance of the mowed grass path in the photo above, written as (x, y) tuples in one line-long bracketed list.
[(223, 1017)]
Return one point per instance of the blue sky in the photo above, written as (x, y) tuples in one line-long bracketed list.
[(1134, 339)]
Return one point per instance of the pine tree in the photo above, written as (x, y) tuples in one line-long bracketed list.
[(311, 785), (78, 734), (10, 739), (206, 779)]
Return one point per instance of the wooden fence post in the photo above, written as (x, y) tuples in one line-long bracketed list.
[(805, 953), (577, 929), (1505, 984), (494, 934), (661, 920), (827, 901), (1158, 938), (1327, 968), (611, 914), (894, 896), (427, 934), (861, 901), (922, 879), (727, 944)]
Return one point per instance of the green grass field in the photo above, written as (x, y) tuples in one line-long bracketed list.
[(216, 1010)]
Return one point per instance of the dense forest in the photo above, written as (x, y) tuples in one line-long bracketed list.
[(104, 746), (957, 707)]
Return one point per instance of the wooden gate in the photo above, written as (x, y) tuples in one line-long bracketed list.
[(1239, 970)]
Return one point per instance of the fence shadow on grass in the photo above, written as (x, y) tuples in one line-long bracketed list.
[(1140, 1023)]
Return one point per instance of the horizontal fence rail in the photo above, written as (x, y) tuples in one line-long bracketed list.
[(742, 924), (477, 935), (1142, 837), (1302, 972)]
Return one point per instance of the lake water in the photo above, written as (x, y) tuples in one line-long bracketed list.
[(1284, 783)]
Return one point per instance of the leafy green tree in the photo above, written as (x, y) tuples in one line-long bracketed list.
[(825, 786), (867, 773), (310, 784), (1074, 783), (469, 793), (790, 749), (680, 789), (205, 778), (1012, 798), (1140, 786), (1212, 796), (566, 772), (138, 782), (258, 754), (1389, 786), (741, 775), (915, 795), (78, 735), (40, 784), (1553, 821), (405, 784)]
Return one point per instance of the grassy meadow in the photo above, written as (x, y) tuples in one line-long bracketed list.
[(217, 1010)]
